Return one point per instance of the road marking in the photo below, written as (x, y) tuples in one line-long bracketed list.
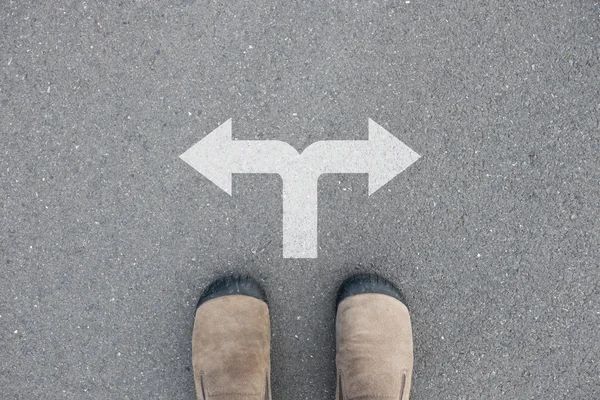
[(217, 156)]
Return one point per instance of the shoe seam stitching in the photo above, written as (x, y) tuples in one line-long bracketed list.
[(207, 395)]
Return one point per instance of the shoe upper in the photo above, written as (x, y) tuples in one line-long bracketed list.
[(231, 349), (374, 348)]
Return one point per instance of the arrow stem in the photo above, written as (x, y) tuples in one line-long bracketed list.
[(300, 215)]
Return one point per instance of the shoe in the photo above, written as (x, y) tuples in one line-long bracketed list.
[(231, 342), (374, 347)]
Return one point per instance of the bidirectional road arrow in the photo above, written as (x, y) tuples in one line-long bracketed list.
[(217, 156)]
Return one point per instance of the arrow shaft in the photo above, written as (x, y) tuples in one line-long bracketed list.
[(300, 174), (260, 157), (338, 156), (274, 157)]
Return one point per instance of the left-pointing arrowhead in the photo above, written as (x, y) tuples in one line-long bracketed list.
[(210, 156), (388, 156)]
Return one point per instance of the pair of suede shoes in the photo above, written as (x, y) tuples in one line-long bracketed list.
[(231, 341)]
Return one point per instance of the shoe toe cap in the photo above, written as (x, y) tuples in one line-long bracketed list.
[(368, 283), (233, 285)]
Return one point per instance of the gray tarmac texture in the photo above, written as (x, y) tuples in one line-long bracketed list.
[(107, 238)]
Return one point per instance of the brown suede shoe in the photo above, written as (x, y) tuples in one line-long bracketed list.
[(231, 342), (374, 349)]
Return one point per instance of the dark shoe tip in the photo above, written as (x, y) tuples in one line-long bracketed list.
[(232, 285), (368, 283)]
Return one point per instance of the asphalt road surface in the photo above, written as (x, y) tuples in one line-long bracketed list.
[(107, 238)]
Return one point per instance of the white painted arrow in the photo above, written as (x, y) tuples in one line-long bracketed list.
[(218, 156)]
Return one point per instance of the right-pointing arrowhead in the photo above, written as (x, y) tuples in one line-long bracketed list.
[(389, 156), (210, 156)]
